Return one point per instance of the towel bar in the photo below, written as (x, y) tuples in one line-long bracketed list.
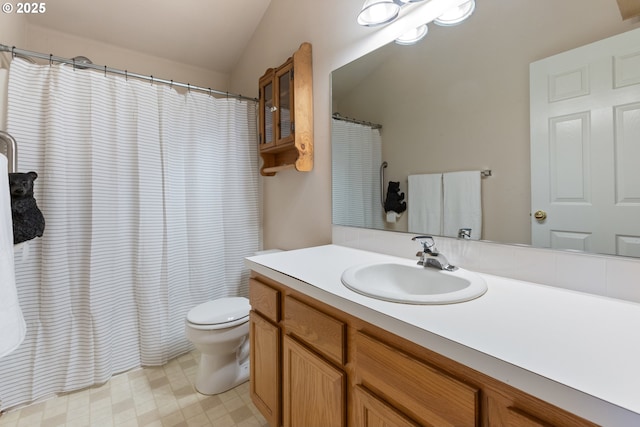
[(10, 150), (382, 192)]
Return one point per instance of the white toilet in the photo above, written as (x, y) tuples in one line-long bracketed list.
[(219, 329)]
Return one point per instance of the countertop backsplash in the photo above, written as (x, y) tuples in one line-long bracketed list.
[(609, 276)]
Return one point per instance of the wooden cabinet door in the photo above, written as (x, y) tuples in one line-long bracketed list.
[(277, 112), (313, 389), (369, 411), (285, 113), (267, 105), (265, 365)]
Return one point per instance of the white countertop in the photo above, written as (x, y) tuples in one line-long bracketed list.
[(578, 351)]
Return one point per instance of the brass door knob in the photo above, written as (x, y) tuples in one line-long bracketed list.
[(540, 215)]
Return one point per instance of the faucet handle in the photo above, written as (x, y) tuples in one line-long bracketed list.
[(427, 243)]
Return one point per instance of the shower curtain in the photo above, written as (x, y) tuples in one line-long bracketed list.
[(356, 152), (151, 202)]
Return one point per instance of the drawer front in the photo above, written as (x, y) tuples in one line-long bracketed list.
[(504, 408), (419, 390), (320, 331), (265, 300)]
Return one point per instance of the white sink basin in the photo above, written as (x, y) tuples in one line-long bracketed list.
[(413, 284)]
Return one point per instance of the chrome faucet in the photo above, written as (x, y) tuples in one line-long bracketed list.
[(430, 257)]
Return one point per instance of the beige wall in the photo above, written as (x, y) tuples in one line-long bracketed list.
[(12, 29), (297, 206), (12, 33), (44, 40), (16, 31)]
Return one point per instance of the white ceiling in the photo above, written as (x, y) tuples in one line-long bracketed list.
[(210, 34)]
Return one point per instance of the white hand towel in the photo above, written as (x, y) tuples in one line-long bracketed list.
[(462, 203), (424, 204), (12, 325)]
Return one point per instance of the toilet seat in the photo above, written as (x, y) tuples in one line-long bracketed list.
[(220, 313)]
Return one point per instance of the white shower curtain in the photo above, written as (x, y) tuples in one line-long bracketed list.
[(356, 152), (151, 202)]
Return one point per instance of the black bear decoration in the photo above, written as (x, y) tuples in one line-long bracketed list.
[(28, 221), (394, 201)]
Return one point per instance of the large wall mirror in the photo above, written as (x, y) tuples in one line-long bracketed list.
[(459, 101)]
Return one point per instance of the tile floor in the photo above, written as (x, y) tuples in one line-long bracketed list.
[(161, 396)]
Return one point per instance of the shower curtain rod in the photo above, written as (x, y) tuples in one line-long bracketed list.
[(81, 65), (337, 116)]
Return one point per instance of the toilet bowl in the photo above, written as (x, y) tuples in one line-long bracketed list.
[(219, 329)]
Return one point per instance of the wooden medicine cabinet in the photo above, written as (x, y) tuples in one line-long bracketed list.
[(286, 115)]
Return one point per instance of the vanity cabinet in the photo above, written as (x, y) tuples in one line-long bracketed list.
[(297, 364), (333, 369), (286, 114)]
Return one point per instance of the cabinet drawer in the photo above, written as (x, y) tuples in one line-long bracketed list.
[(419, 390), (516, 409), (265, 300), (320, 331)]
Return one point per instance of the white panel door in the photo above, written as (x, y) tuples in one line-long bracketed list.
[(585, 147)]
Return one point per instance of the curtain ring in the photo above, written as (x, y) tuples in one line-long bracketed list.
[(189, 87), (50, 59), (209, 92), (151, 80), (171, 85), (126, 76), (105, 71), (13, 52)]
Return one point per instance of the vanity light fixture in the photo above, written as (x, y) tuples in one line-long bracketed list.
[(456, 15), (413, 36), (378, 12)]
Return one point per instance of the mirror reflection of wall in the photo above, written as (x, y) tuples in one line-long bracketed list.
[(459, 99)]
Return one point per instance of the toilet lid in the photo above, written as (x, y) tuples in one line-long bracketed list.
[(220, 311)]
